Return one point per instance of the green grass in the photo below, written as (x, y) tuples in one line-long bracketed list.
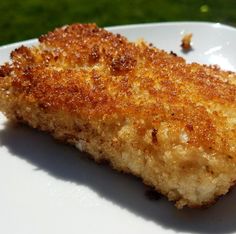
[(25, 19)]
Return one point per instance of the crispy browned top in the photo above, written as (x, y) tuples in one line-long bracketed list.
[(97, 75)]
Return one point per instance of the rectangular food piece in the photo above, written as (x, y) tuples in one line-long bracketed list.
[(144, 110)]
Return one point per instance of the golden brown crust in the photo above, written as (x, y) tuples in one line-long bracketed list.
[(102, 73), (107, 82)]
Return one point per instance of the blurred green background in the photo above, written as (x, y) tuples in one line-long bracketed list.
[(25, 19)]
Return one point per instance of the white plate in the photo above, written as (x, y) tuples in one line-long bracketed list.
[(46, 187)]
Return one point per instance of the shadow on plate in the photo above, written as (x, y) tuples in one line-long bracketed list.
[(67, 163)]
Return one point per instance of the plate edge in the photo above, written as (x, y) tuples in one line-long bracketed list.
[(130, 26)]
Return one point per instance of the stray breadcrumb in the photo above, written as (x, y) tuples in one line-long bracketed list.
[(143, 110), (186, 42)]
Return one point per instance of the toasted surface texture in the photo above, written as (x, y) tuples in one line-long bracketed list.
[(144, 110)]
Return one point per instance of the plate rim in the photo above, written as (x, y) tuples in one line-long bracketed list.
[(173, 23), (133, 26)]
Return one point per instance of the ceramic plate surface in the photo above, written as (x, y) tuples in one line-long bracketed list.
[(47, 187)]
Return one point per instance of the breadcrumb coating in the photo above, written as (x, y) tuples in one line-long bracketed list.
[(144, 110)]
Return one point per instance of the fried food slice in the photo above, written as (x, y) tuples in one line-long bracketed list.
[(144, 110)]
